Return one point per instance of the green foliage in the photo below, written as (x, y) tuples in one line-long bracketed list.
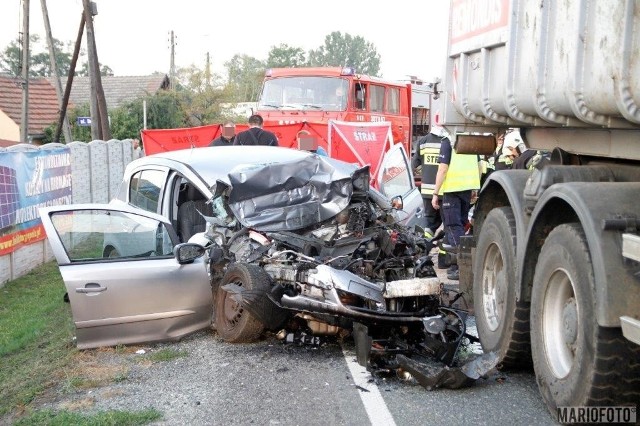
[(201, 95), (11, 59), (79, 133), (284, 56), (127, 120), (345, 50), (164, 111), (103, 418), (84, 70), (245, 74), (35, 335), (39, 64)]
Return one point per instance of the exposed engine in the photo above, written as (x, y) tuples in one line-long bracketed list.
[(358, 272)]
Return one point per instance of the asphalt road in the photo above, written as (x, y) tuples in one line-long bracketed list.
[(269, 382)]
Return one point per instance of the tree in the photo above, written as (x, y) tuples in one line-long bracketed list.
[(345, 50), (11, 59), (84, 70), (244, 75), (284, 56), (201, 95), (39, 64)]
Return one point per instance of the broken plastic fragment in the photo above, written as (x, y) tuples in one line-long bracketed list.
[(432, 377)]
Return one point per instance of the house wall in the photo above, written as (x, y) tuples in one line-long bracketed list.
[(96, 171), (9, 130)]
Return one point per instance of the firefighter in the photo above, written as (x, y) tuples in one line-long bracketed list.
[(457, 178), (523, 157), (429, 151)]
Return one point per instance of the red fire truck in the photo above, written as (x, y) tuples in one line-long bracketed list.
[(314, 96)]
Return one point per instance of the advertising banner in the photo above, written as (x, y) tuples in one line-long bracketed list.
[(30, 180)]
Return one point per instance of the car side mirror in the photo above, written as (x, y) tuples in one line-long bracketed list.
[(397, 203), (187, 252)]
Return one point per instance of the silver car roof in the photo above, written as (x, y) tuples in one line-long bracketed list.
[(214, 163)]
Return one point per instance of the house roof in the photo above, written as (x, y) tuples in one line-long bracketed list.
[(117, 89), (43, 102)]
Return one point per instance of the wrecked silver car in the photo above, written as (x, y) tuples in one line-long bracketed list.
[(310, 249), (283, 240)]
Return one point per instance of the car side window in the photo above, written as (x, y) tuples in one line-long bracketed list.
[(144, 189), (396, 179), (96, 235)]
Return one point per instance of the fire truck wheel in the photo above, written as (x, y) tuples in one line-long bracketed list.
[(576, 362), (502, 322), (233, 322)]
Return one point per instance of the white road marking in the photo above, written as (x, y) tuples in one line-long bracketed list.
[(373, 402)]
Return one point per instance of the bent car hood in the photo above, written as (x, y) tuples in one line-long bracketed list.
[(293, 195)]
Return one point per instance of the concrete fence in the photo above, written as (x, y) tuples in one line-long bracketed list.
[(97, 168)]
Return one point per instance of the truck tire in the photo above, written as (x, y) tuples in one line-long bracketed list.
[(232, 322), (502, 322), (577, 363)]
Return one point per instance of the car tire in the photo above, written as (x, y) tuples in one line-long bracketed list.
[(234, 323), (577, 363), (502, 321)]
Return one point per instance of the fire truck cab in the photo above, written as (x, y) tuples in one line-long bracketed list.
[(317, 95)]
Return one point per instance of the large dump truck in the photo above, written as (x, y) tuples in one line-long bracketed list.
[(555, 252)]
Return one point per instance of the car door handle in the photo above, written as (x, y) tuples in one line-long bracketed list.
[(91, 288)]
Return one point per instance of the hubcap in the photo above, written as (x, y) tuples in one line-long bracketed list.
[(560, 323), (493, 287)]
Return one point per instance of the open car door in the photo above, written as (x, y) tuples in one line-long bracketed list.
[(396, 179), (123, 281)]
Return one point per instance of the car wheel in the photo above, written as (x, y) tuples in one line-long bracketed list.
[(502, 322), (233, 322), (577, 363)]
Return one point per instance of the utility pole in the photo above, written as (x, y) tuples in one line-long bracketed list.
[(207, 72), (54, 71), (24, 120), (72, 71), (99, 115), (172, 65)]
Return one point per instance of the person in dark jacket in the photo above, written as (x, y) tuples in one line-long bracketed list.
[(429, 150), (227, 136), (255, 134)]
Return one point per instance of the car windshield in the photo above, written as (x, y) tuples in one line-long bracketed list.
[(315, 93)]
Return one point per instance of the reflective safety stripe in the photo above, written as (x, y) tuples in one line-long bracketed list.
[(430, 145), (462, 174), (427, 188), (429, 152)]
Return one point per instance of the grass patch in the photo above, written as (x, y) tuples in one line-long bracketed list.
[(166, 354), (88, 370), (36, 333), (103, 418)]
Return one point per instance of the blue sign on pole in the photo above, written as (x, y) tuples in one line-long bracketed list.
[(84, 121)]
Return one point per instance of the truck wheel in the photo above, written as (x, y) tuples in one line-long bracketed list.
[(234, 323), (576, 362), (502, 322)]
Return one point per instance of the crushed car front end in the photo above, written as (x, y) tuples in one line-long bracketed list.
[(310, 246)]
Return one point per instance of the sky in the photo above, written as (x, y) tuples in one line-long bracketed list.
[(133, 36)]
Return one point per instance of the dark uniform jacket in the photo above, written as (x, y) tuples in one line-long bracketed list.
[(256, 136), (220, 141)]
